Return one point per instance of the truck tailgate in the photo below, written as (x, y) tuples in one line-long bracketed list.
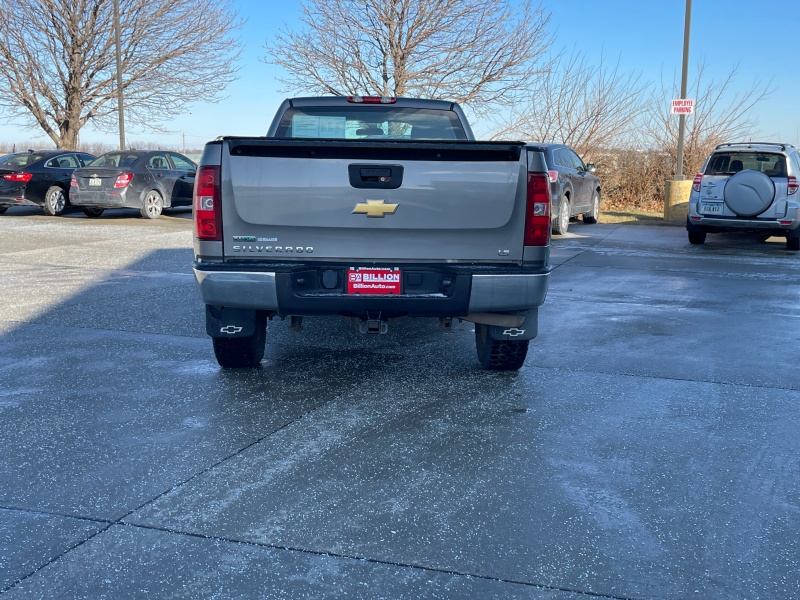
[(398, 201)]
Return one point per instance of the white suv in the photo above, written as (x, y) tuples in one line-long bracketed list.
[(747, 186)]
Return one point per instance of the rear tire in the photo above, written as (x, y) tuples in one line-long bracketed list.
[(244, 352), (153, 205), (3, 209), (697, 237), (562, 220), (793, 243), (499, 355), (55, 200), (93, 212), (591, 217)]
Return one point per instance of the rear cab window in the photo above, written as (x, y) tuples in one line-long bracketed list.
[(376, 123)]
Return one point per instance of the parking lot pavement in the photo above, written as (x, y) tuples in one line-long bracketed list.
[(648, 448)]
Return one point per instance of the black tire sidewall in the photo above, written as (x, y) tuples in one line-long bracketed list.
[(594, 214), (562, 224)]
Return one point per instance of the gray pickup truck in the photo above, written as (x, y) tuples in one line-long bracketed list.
[(371, 208)]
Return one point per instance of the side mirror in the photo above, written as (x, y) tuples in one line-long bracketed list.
[(591, 167)]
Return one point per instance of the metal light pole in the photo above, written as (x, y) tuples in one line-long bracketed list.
[(120, 110), (682, 117)]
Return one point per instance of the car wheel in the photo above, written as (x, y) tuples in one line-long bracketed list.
[(241, 353), (793, 243), (3, 209), (153, 205), (499, 355), (562, 220), (591, 217), (697, 237), (93, 212), (54, 201)]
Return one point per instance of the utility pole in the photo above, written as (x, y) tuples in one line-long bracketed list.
[(678, 191), (120, 104), (684, 73)]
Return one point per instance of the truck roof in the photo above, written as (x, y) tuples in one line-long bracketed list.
[(344, 101)]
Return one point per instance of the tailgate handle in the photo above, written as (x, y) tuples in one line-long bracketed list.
[(388, 177)]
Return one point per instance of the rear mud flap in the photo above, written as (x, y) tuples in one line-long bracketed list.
[(230, 322), (527, 330)]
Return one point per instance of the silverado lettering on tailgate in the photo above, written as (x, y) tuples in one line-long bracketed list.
[(273, 249)]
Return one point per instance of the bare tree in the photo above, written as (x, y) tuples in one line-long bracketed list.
[(476, 52), (587, 106), (58, 70), (721, 115)]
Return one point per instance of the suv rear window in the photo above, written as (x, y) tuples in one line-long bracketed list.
[(374, 122), (728, 163)]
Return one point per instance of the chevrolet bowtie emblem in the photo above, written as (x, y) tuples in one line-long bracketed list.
[(513, 332), (374, 208)]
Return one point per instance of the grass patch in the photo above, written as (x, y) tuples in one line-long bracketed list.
[(614, 212), (635, 217)]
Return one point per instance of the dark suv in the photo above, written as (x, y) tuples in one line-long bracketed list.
[(749, 186), (574, 187)]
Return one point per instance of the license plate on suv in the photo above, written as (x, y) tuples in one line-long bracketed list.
[(374, 280), (711, 208)]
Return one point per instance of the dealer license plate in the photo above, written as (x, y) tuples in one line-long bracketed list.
[(374, 280), (95, 181), (711, 208)]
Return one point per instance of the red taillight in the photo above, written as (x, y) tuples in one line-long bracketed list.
[(20, 177), (698, 179), (553, 176), (537, 216), (792, 186), (73, 182), (372, 99), (207, 206), (123, 180)]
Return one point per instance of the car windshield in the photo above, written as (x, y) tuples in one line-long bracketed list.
[(729, 163), (13, 161), (114, 159), (375, 122)]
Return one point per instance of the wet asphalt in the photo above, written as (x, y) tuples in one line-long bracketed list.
[(648, 449)]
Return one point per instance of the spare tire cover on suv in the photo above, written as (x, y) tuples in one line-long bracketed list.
[(749, 193)]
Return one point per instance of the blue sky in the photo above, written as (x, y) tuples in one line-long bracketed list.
[(645, 37)]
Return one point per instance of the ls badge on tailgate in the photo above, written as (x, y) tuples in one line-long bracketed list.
[(374, 208)]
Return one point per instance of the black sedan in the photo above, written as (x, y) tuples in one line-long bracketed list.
[(574, 186), (149, 180), (39, 178)]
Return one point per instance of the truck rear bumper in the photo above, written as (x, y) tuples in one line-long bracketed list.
[(463, 293), (238, 289)]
